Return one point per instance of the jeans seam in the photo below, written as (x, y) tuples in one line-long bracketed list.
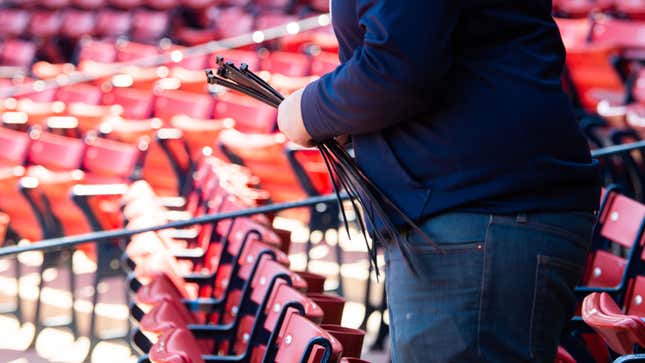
[(483, 284), (533, 307)]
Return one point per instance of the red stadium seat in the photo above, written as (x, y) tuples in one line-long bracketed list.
[(13, 148), (171, 103), (77, 23), (45, 24), (136, 103), (88, 4), (324, 63), (125, 4), (200, 133), (17, 53), (130, 51), (149, 25), (233, 21), (634, 9), (112, 23), (620, 331), (13, 22), (99, 51), (581, 8), (79, 93), (287, 64), (250, 115), (57, 153)]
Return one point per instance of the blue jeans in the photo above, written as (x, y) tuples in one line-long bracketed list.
[(501, 293)]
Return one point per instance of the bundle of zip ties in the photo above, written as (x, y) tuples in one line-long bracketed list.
[(344, 172)]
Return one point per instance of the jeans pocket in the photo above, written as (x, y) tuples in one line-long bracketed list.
[(553, 304)]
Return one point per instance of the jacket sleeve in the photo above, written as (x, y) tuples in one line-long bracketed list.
[(406, 49)]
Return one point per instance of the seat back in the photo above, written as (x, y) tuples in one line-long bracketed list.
[(111, 159), (55, 152), (250, 116), (299, 339), (14, 146)]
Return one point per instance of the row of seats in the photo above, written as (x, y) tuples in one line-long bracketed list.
[(227, 292), (281, 5), (54, 35), (634, 9)]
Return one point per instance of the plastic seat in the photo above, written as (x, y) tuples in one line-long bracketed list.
[(324, 63), (89, 116), (176, 346), (311, 41), (130, 51), (79, 93), (161, 4), (287, 64), (581, 8), (171, 103), (620, 331), (45, 24), (267, 19), (125, 4), (620, 33), (136, 103), (98, 51), (351, 339), (17, 53), (250, 115), (149, 25), (110, 162), (265, 156), (77, 23), (296, 339), (233, 21), (200, 133), (57, 153), (88, 4), (112, 23), (14, 146), (605, 269), (13, 22), (635, 9)]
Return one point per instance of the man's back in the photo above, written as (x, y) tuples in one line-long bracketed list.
[(456, 104)]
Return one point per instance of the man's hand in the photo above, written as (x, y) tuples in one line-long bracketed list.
[(290, 120)]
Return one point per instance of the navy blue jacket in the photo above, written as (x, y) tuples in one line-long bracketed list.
[(455, 104)]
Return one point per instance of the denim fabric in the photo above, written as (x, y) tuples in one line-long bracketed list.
[(501, 292)]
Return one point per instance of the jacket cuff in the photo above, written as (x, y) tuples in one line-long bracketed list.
[(314, 123)]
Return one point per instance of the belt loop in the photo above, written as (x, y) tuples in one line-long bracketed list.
[(522, 218)]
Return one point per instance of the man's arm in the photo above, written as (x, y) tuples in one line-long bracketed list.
[(405, 50)]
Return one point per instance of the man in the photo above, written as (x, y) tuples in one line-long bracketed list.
[(456, 111)]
